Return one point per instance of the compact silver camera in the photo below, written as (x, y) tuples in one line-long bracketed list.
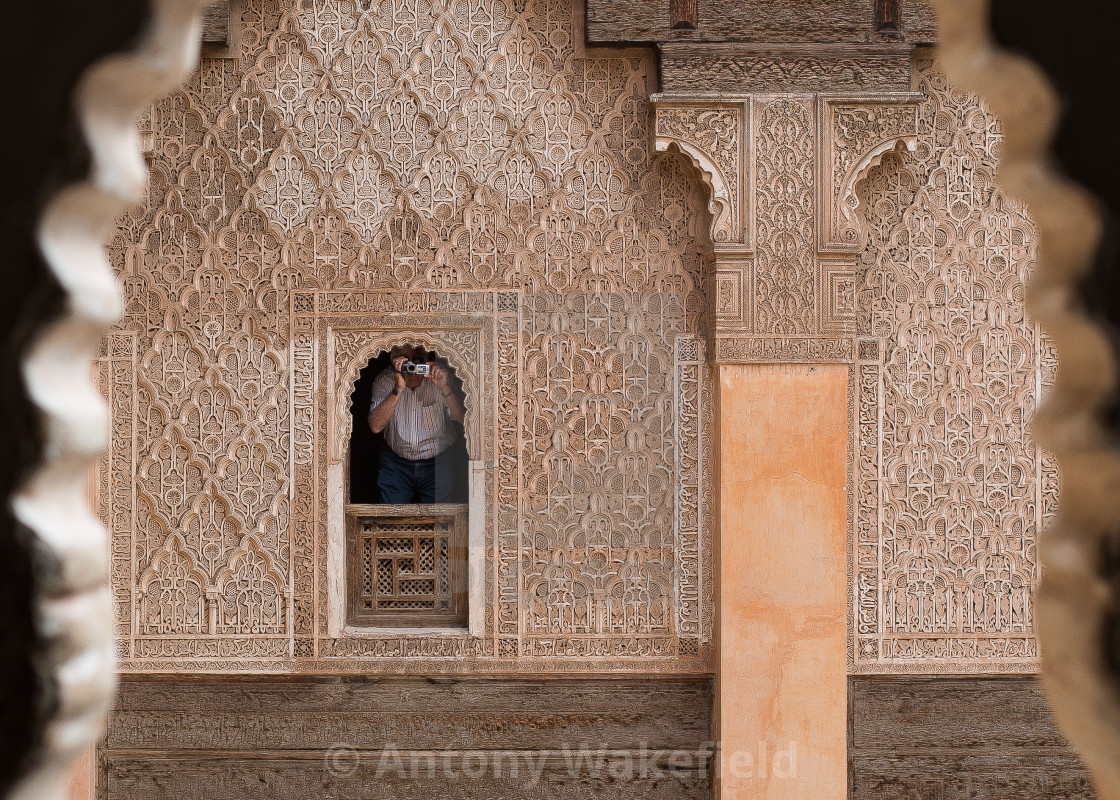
[(410, 368)]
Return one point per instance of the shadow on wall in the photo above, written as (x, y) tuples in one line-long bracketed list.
[(365, 445)]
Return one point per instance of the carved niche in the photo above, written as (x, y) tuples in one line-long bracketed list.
[(713, 136), (462, 327), (423, 163)]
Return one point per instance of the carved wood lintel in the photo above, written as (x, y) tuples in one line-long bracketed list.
[(682, 14)]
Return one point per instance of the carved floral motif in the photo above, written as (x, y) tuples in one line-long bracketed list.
[(785, 299), (712, 135), (856, 135)]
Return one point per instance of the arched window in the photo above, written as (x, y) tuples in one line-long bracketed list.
[(407, 514), (366, 447)]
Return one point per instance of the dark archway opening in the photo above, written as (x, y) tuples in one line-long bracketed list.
[(365, 445)]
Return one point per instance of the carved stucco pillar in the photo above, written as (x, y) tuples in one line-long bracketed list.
[(781, 172)]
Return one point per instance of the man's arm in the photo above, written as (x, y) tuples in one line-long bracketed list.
[(450, 397), (382, 412), (455, 406)]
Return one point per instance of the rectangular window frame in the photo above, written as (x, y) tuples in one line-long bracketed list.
[(341, 345)]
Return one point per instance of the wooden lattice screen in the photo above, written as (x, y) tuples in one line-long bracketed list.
[(407, 565)]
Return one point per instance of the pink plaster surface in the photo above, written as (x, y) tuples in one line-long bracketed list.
[(81, 778), (783, 577)]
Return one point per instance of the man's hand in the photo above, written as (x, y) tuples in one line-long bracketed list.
[(397, 371), (438, 376), (454, 402)]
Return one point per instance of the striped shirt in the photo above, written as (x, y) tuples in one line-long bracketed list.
[(421, 424)]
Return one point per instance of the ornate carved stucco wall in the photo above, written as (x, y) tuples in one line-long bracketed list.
[(873, 234), (395, 167), (365, 170), (951, 489)]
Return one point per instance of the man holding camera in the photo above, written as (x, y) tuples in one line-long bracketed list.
[(414, 406)]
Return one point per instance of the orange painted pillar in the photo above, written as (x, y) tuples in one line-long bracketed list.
[(782, 683)]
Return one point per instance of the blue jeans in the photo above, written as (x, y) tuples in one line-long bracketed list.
[(427, 480)]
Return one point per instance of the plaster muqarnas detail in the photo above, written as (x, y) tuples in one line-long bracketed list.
[(366, 171), (951, 490)]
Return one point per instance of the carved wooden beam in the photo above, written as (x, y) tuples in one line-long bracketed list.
[(888, 16), (215, 23), (682, 14), (221, 29)]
